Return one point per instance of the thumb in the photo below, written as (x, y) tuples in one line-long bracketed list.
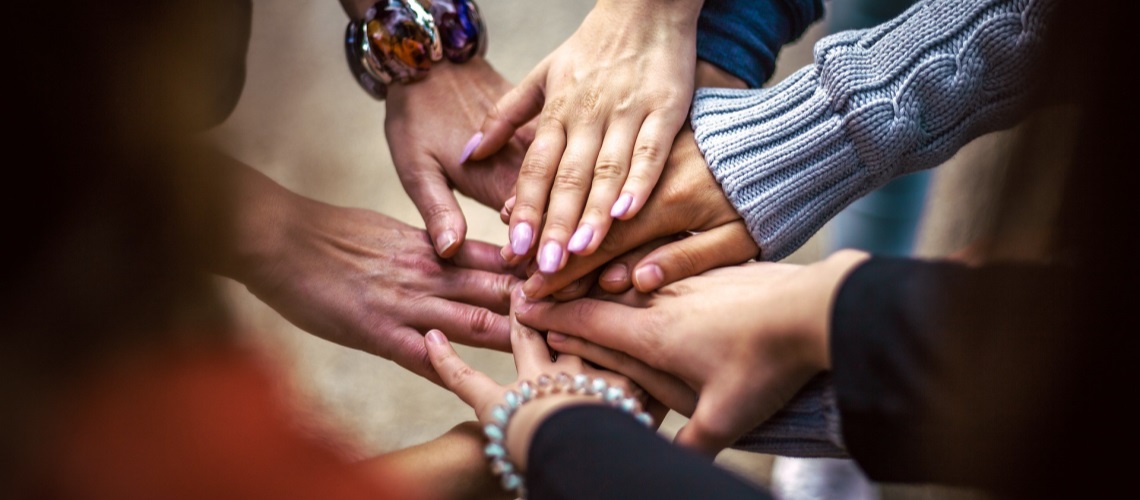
[(428, 189), (721, 417), (513, 111), (473, 387), (721, 246)]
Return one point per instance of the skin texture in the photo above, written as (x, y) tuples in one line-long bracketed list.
[(610, 100), (745, 338), (687, 199), (426, 124), (532, 359), (362, 279)]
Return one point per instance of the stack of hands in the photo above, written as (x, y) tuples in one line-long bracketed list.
[(593, 167)]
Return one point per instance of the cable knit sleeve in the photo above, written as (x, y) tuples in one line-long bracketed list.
[(877, 103)]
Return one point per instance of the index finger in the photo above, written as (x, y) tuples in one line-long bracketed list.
[(609, 324)]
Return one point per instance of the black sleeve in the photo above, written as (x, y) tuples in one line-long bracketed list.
[(942, 370), (598, 452)]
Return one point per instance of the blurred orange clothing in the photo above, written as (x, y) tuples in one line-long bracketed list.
[(200, 424)]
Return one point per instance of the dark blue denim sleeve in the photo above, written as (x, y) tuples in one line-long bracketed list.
[(743, 37)]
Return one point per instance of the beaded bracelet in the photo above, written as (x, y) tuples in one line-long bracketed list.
[(496, 450), (398, 40)]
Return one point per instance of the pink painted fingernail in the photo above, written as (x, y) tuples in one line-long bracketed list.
[(555, 337), (550, 257), (436, 337), (521, 237), (616, 273), (581, 238), (648, 277), (621, 206), (470, 147)]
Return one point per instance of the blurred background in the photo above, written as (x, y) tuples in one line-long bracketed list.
[(304, 122)]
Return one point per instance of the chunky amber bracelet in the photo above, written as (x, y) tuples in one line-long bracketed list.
[(399, 40)]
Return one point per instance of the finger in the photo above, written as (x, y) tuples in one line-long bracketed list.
[(511, 113), (479, 288), (508, 207), (721, 417), (576, 289), (617, 278), (484, 257), (473, 387), (664, 387), (469, 325), (649, 153), (609, 175), (567, 195), (427, 187), (405, 346), (718, 247), (532, 357), (609, 324), (533, 186), (622, 237)]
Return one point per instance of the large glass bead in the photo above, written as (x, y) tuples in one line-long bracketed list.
[(356, 49), (461, 29), (403, 38)]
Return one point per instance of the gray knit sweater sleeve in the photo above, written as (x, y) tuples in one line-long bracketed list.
[(877, 103)]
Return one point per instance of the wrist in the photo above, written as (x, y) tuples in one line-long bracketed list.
[(263, 211), (673, 13), (829, 275), (711, 75)]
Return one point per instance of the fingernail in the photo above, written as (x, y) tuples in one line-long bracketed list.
[(621, 206), (520, 303), (572, 287), (520, 238), (436, 337), (533, 285), (506, 254), (581, 238), (550, 257), (510, 204), (616, 273), (470, 147), (445, 241), (648, 277), (555, 337)]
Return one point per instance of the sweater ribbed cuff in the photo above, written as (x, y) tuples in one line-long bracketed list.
[(781, 159), (807, 427)]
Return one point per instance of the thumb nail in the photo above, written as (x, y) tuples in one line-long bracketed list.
[(555, 337), (470, 147), (445, 241), (436, 337), (648, 277)]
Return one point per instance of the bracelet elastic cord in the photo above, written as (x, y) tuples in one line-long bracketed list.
[(496, 430)]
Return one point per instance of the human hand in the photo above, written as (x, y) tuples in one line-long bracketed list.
[(688, 199), (362, 279), (747, 338), (612, 99), (427, 122), (532, 361)]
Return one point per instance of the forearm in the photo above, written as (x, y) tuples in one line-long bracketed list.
[(451, 466), (876, 104), (576, 451)]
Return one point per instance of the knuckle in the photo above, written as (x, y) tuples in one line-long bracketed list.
[(648, 151), (685, 261), (536, 168), (481, 322), (608, 169), (569, 181)]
